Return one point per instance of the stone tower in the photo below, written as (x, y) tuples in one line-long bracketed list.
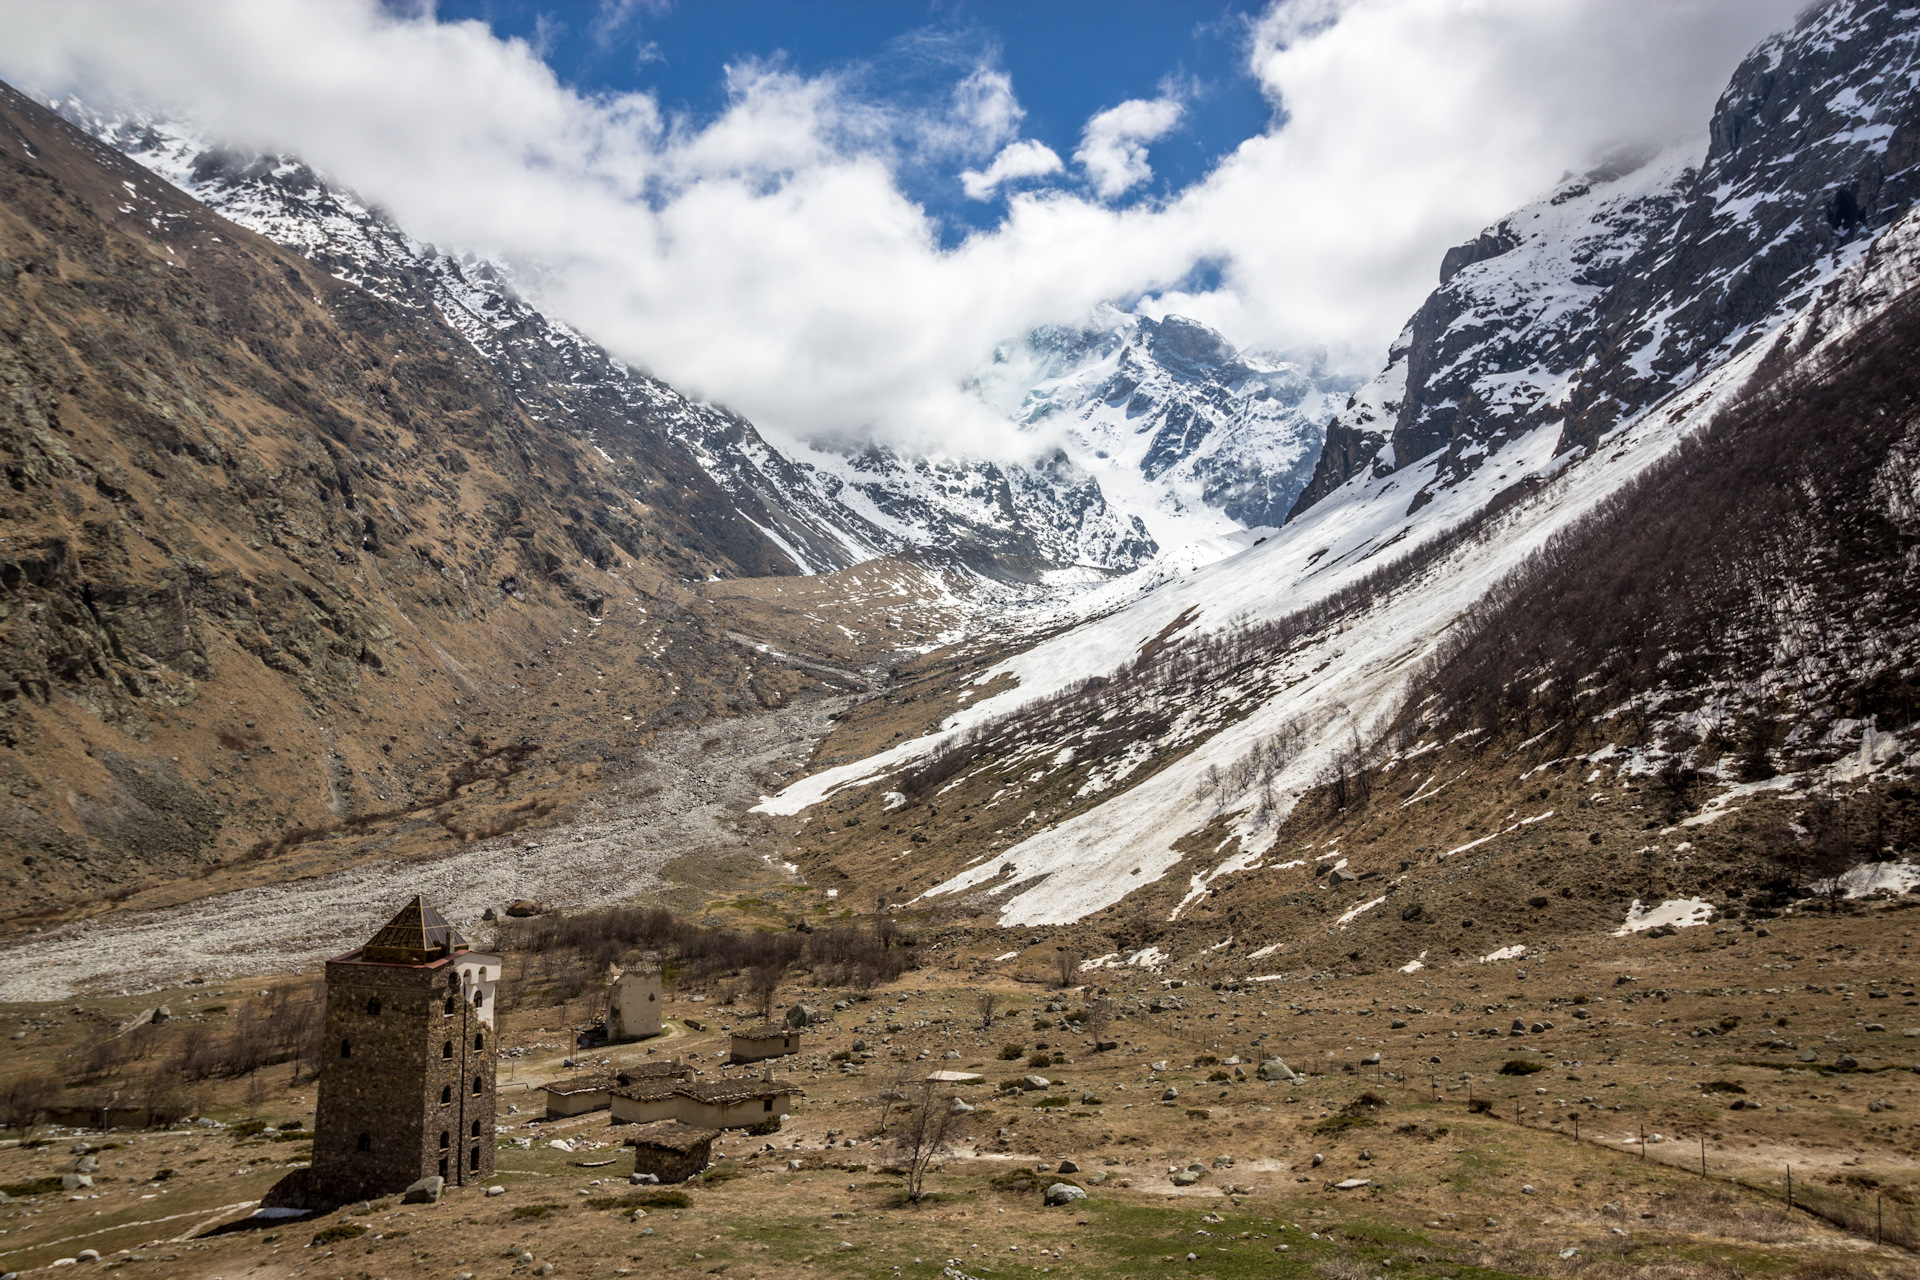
[(407, 1063)]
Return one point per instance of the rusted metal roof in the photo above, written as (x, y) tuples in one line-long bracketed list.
[(416, 935)]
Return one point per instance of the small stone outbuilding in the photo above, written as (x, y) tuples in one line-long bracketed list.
[(768, 1040), (671, 1151)]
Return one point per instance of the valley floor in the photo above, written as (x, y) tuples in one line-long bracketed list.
[(1446, 1190), (678, 809)]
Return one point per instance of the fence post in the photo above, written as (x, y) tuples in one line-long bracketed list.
[(1876, 1218), (1703, 1155), (1576, 1126), (1643, 1141), (1789, 1188)]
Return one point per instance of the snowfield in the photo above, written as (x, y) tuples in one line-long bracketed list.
[(1341, 685)]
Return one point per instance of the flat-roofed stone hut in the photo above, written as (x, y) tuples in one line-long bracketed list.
[(671, 1151), (577, 1095), (768, 1040), (714, 1104)]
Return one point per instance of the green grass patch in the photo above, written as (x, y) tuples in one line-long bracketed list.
[(1011, 1052), (722, 1173), (534, 1211), (1521, 1067), (37, 1187), (337, 1232), (248, 1128), (1342, 1123), (1722, 1086), (1051, 1100)]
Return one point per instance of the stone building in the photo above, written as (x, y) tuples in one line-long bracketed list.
[(577, 1095), (671, 1151), (634, 998), (407, 1063), (768, 1040), (716, 1104)]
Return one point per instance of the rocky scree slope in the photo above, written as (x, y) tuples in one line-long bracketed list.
[(277, 552), (1629, 283), (823, 507)]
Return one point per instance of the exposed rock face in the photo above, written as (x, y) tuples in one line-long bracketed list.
[(269, 541), (794, 506), (1178, 424), (1625, 285)]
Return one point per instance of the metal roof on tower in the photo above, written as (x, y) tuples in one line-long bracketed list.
[(418, 934)]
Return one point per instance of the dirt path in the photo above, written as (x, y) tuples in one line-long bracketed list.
[(697, 782)]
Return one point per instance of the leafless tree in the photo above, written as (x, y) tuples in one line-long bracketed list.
[(926, 1132), (985, 1004), (1066, 965), (762, 985), (1099, 1017), (898, 1089)]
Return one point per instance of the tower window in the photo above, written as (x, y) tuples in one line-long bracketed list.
[(446, 1050), (479, 1085), (479, 1042), (443, 1166), (649, 997), (448, 1007), (479, 999), (445, 1140), (365, 1143), (446, 1094), (346, 1048), (473, 1158), (453, 982), (373, 1007), (767, 1105), (476, 1128)]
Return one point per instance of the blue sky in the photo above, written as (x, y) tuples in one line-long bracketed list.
[(1068, 60), (798, 237)]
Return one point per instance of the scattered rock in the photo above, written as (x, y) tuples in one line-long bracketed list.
[(1318, 1159), (1275, 1069), (75, 1182), (804, 1015), (1186, 1177), (87, 1255), (1064, 1193), (496, 1190), (1068, 1166), (1169, 1094), (426, 1191), (1033, 1084), (1352, 1184)]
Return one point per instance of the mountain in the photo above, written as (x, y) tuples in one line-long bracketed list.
[(1604, 592), (281, 556), (822, 507), (1193, 435), (1624, 286)]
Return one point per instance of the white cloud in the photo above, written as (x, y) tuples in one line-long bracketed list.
[(1113, 148), (769, 259), (1028, 159)]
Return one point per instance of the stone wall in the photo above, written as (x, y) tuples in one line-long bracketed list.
[(416, 1082)]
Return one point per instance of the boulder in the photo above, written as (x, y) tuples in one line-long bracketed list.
[(75, 1182), (1067, 1166), (1352, 1184), (1169, 1094), (87, 1255), (1064, 1193), (489, 914), (521, 908), (496, 1190), (1186, 1177), (1033, 1084), (802, 1015), (425, 1191), (1275, 1069), (1340, 875)]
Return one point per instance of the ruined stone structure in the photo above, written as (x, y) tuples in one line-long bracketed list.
[(634, 998), (671, 1151), (407, 1063)]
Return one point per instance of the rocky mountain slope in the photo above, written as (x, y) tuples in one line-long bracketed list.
[(823, 507), (280, 555), (1221, 737), (1623, 286), (1198, 437)]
